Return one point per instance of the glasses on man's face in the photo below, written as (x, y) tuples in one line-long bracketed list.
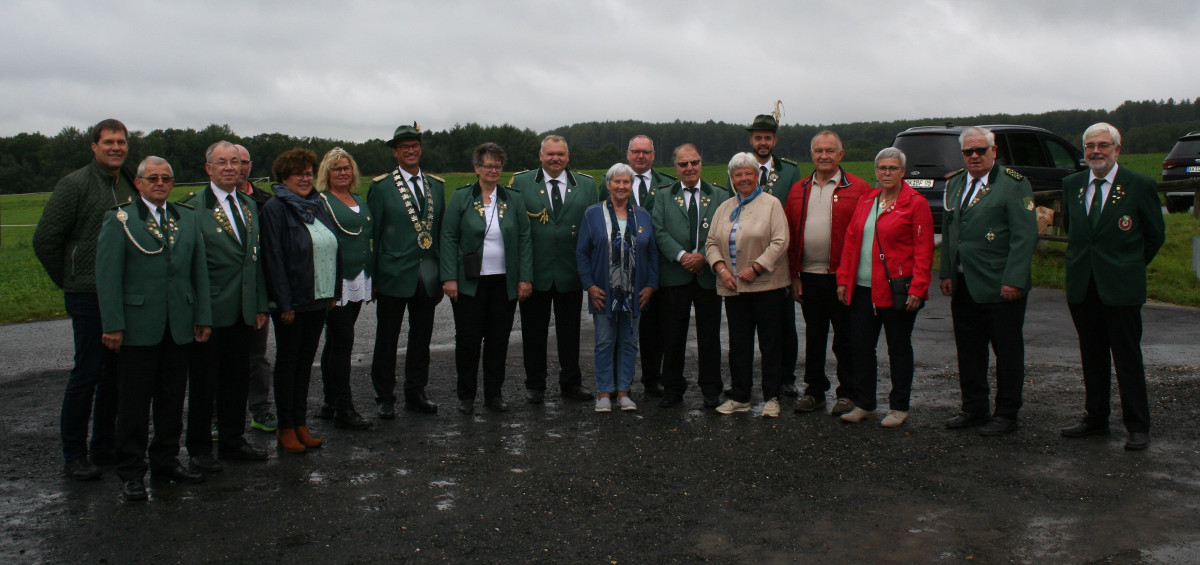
[(887, 169), (230, 163), (686, 164), (491, 168), (155, 179), (344, 169), (980, 151), (304, 175), (406, 147), (1104, 146), (641, 152)]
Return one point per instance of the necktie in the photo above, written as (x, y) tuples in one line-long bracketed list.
[(762, 178), (237, 217), (642, 190), (693, 219), (414, 184), (162, 216), (1097, 204), (555, 198), (969, 194)]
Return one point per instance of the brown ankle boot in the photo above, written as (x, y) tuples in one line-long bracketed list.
[(304, 437), (287, 440)]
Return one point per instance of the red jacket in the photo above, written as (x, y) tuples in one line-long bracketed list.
[(905, 231), (845, 199)]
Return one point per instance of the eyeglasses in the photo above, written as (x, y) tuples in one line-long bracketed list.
[(492, 168), (409, 147), (344, 169), (304, 175), (1104, 146), (686, 164), (642, 152), (888, 169), (230, 163), (976, 150), (154, 179)]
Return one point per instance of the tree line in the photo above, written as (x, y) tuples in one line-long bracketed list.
[(33, 162)]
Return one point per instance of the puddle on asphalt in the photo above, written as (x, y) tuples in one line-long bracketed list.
[(364, 478), (317, 478), (518, 471), (445, 500)]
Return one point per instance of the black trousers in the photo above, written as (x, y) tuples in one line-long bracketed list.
[(259, 396), (866, 320), (153, 375), (751, 312), (535, 329), (295, 348), (1114, 331), (389, 315), (975, 326), (821, 308), (335, 357), (789, 341), (676, 303), (650, 341), (220, 369), (482, 320)]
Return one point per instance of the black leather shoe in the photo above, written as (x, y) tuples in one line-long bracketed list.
[(243, 452), (1137, 441), (496, 404), (712, 401), (82, 470), (387, 411), (670, 401), (653, 389), (964, 420), (419, 403), (350, 420), (177, 473), (577, 393), (1084, 429), (104, 458), (325, 413), (134, 490), (790, 390), (466, 406), (206, 463), (535, 396), (998, 426)]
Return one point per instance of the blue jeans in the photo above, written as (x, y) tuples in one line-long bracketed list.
[(92, 383), (616, 336)]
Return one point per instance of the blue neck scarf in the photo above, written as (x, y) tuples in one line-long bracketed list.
[(742, 202)]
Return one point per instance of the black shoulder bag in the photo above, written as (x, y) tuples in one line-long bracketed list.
[(899, 285)]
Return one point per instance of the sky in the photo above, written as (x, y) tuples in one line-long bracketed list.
[(354, 70)]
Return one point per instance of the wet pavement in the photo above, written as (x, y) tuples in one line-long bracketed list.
[(558, 483)]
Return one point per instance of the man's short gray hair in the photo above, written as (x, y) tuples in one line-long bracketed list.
[(629, 147), (823, 133), (976, 130), (553, 137), (618, 170), (1102, 127), (892, 153), (153, 160), (742, 161), (208, 153)]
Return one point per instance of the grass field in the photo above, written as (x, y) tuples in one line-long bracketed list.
[(26, 293)]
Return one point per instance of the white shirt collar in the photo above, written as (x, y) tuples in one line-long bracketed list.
[(1109, 178)]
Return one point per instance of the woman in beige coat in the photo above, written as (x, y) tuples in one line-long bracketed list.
[(747, 248)]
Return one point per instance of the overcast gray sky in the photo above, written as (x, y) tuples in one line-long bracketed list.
[(353, 70)]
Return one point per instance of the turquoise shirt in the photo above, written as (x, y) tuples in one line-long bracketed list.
[(325, 250), (866, 255)]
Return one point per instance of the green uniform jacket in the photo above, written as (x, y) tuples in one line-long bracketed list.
[(65, 238), (1115, 254), (462, 233), (354, 231), (145, 294), (784, 173), (235, 275), (671, 231), (994, 237), (399, 262), (554, 232), (657, 180)]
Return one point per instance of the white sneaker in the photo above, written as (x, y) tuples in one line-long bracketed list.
[(858, 415), (603, 404), (771, 408), (894, 418), (731, 406), (627, 404)]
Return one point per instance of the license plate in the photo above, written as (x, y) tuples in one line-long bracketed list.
[(1189, 169), (927, 183)]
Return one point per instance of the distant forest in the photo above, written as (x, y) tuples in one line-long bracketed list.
[(33, 162)]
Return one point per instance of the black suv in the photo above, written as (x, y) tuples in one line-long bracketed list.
[(1182, 163), (933, 153)]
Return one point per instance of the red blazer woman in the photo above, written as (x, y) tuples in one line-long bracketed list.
[(905, 230)]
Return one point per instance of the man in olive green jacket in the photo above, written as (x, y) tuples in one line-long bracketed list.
[(408, 204), (152, 284), (554, 199), (989, 232), (1114, 227), (682, 215)]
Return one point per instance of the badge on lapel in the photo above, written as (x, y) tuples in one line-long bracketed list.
[(1125, 223)]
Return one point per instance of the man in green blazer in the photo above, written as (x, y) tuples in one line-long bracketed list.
[(989, 232), (408, 204), (152, 285), (683, 212), (639, 154), (220, 368), (554, 199), (1115, 226)]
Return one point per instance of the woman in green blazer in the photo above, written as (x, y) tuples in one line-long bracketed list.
[(487, 266)]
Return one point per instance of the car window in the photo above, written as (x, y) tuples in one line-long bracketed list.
[(1024, 150), (1186, 148), (930, 150), (1060, 154)]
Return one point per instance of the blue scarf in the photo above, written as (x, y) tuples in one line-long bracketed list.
[(622, 256), (742, 202), (304, 207)]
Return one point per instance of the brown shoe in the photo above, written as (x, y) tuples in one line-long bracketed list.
[(842, 406), (287, 440), (307, 439), (810, 403)]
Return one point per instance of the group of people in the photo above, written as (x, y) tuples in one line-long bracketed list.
[(173, 298)]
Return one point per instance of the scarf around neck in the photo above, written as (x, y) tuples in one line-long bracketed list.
[(743, 202), (302, 206), (622, 257)]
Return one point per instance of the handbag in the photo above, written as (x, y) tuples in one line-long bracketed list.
[(898, 285)]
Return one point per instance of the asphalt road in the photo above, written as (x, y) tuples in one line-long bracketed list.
[(559, 483)]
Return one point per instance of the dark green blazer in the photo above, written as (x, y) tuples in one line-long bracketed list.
[(399, 262), (354, 231), (657, 181), (161, 286), (554, 232), (993, 238), (671, 231), (462, 233), (1130, 231), (235, 275), (784, 173)]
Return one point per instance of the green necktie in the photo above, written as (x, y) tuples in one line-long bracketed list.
[(693, 219), (555, 198), (762, 178), (1097, 204), (237, 217), (643, 192)]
